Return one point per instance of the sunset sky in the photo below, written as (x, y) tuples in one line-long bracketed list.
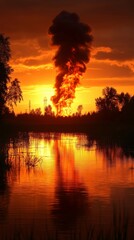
[(26, 22)]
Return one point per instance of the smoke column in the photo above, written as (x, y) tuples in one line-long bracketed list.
[(73, 39)]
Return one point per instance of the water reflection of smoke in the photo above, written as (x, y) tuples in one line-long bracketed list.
[(71, 207)]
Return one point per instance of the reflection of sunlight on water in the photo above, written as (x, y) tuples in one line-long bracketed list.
[(44, 150), (79, 160), (75, 181)]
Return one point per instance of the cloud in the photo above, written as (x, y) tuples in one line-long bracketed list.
[(128, 65), (116, 54), (97, 50), (114, 57), (26, 22), (28, 18), (31, 60), (108, 69), (23, 67), (28, 55)]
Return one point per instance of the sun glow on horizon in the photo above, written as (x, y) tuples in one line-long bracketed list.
[(39, 96)]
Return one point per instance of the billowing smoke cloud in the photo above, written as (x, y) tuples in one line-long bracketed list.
[(73, 39)]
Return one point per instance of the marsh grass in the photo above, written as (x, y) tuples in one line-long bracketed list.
[(32, 161)]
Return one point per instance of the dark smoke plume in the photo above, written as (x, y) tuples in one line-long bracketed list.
[(74, 41)]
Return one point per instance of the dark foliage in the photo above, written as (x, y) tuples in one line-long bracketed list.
[(10, 91)]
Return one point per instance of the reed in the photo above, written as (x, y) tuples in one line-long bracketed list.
[(32, 161)]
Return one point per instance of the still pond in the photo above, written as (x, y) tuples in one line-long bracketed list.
[(65, 186)]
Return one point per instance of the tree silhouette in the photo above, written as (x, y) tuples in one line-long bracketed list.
[(36, 112), (109, 101), (128, 108), (14, 94), (48, 111), (79, 110), (10, 91), (124, 99)]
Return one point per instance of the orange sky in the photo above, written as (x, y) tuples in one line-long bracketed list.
[(26, 22)]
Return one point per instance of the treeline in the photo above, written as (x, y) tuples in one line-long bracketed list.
[(114, 118), (114, 111), (113, 103), (112, 106)]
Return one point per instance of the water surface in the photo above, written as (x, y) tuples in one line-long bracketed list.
[(64, 186)]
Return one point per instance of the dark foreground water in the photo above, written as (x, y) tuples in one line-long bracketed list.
[(65, 186)]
